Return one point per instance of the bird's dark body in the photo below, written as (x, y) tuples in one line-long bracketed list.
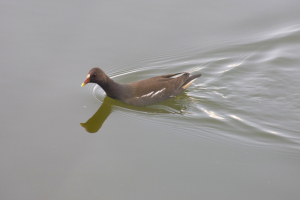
[(143, 92)]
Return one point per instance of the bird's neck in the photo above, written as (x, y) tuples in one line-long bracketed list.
[(113, 89)]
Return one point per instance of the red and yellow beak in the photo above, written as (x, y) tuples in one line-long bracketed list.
[(87, 80)]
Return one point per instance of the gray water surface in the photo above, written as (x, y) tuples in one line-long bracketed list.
[(233, 134)]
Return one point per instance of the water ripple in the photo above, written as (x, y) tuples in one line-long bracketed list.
[(240, 98)]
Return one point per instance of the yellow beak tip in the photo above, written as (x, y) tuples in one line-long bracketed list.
[(83, 84)]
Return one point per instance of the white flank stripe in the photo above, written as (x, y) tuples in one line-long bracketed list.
[(145, 95), (158, 92)]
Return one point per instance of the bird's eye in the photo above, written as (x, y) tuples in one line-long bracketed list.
[(94, 75)]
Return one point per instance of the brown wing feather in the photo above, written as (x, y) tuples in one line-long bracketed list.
[(155, 89)]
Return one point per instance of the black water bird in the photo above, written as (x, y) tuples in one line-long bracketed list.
[(143, 92)]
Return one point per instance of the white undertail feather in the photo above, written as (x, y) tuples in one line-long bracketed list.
[(177, 75), (188, 84)]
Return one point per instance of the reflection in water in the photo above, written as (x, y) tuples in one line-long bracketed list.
[(176, 105), (95, 122)]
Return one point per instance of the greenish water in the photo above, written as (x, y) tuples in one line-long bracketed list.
[(234, 133)]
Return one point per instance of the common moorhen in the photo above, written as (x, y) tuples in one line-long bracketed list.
[(144, 92)]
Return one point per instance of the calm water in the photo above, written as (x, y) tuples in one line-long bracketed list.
[(234, 134)]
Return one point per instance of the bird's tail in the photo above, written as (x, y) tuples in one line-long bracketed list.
[(189, 81)]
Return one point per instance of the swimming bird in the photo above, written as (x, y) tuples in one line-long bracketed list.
[(143, 92)]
